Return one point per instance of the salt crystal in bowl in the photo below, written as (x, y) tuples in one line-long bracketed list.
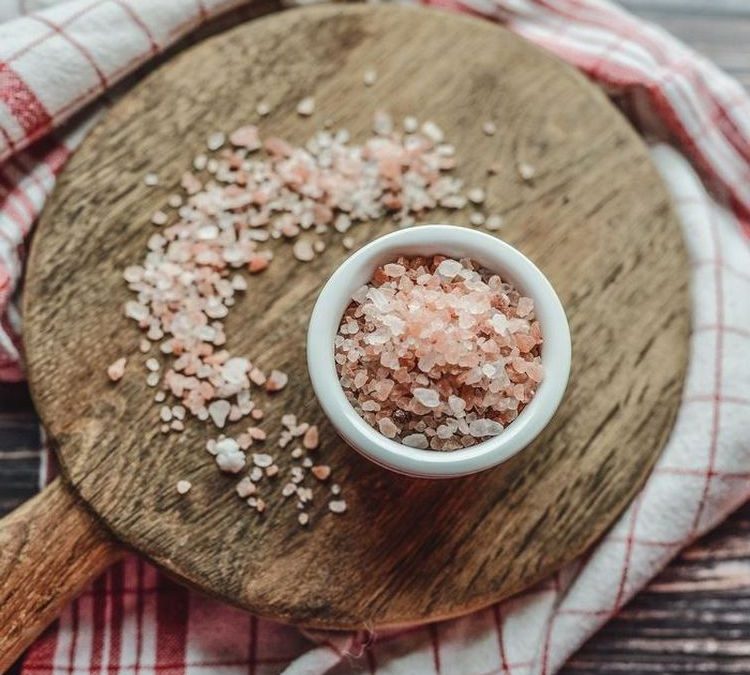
[(454, 242)]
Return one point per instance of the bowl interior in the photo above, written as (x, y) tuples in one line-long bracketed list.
[(496, 256)]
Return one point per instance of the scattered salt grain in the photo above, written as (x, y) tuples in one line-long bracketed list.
[(219, 411), (433, 132), (276, 381), (151, 179), (337, 506), (183, 486), (262, 460), (494, 222), (370, 77), (229, 457), (476, 195), (321, 472), (246, 137), (245, 488), (117, 369), (489, 128), (526, 171), (303, 519), (311, 439), (263, 108), (411, 124), (159, 218), (306, 106), (303, 250), (216, 140), (476, 218)]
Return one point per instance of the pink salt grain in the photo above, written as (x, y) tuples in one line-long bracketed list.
[(439, 353), (117, 369), (276, 381)]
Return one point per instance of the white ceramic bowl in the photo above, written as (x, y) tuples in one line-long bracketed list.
[(457, 242)]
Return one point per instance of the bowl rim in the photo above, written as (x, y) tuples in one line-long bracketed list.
[(430, 239)]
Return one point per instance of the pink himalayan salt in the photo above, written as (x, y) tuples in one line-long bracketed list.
[(117, 369), (439, 353)]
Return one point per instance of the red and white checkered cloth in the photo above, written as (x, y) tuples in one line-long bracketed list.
[(133, 620)]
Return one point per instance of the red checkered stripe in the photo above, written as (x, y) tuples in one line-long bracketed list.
[(132, 620)]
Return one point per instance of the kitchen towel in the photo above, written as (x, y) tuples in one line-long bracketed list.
[(57, 57)]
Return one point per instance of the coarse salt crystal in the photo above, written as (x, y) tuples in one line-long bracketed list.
[(433, 132), (230, 460), (262, 460), (311, 438), (494, 222), (116, 369), (306, 106), (427, 397), (303, 250), (418, 441), (276, 381), (183, 486), (337, 506), (526, 171), (321, 472), (449, 268), (219, 411), (245, 488), (476, 195)]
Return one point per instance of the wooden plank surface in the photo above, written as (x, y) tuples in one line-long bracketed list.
[(695, 616)]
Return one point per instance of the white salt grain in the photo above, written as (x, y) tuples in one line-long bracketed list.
[(159, 218), (476, 195), (303, 250), (230, 460), (216, 140), (262, 460), (483, 427), (526, 171), (337, 506), (427, 397), (219, 411), (306, 106), (183, 486), (494, 222)]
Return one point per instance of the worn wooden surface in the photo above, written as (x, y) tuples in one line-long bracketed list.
[(694, 617), (50, 549), (595, 219)]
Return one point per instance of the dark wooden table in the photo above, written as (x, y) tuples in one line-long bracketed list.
[(695, 616)]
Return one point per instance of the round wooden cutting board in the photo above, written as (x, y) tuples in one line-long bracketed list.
[(595, 218)]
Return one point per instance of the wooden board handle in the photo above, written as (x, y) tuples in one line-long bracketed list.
[(50, 548)]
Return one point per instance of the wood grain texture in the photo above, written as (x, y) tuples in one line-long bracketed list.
[(50, 548), (596, 219)]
